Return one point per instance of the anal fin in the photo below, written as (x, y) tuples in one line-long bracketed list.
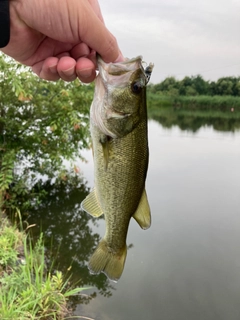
[(143, 215)]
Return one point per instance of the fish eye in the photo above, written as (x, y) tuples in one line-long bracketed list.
[(136, 87)]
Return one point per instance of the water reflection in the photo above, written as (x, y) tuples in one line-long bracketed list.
[(193, 121), (186, 266), (69, 235)]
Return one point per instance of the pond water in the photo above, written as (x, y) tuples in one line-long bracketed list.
[(187, 265)]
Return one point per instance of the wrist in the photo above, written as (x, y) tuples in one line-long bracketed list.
[(4, 23)]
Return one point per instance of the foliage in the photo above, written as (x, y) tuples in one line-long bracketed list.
[(76, 241), (196, 85), (41, 123), (10, 241), (27, 290)]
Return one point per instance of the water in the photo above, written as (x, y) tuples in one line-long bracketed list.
[(187, 265)]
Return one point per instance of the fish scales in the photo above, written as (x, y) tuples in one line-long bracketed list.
[(118, 122), (125, 175)]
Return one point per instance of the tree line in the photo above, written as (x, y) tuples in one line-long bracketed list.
[(196, 85)]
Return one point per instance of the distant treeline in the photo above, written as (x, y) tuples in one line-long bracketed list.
[(196, 85)]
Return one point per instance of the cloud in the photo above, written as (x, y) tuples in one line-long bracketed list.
[(180, 37)]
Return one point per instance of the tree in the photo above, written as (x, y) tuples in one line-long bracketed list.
[(237, 87), (185, 83), (224, 86), (41, 124), (168, 86), (200, 85), (212, 88)]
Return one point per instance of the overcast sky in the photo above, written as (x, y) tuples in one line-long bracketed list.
[(181, 37)]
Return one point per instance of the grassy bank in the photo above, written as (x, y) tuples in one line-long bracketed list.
[(203, 103), (27, 289), (191, 113)]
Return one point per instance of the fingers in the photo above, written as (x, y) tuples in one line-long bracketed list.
[(66, 68), (77, 32), (86, 62), (89, 36), (54, 68), (80, 50), (47, 69), (85, 70)]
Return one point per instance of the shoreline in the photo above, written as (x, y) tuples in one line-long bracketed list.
[(27, 289)]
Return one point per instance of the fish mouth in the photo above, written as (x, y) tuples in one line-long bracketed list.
[(125, 62), (119, 68), (124, 67)]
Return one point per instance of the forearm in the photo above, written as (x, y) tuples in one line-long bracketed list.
[(4, 23)]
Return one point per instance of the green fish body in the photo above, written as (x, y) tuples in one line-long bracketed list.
[(118, 121)]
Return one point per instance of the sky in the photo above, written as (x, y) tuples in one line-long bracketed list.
[(181, 37)]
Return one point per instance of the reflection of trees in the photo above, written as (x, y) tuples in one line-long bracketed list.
[(69, 238), (193, 121)]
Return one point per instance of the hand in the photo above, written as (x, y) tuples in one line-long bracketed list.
[(60, 38)]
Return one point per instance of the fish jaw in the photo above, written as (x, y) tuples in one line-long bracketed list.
[(118, 74)]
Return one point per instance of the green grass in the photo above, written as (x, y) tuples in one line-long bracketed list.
[(198, 113), (156, 100), (206, 103), (193, 112), (203, 103), (27, 289), (11, 241)]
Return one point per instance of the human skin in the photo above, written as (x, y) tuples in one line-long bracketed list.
[(60, 38)]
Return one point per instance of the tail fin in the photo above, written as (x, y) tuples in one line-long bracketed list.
[(105, 261)]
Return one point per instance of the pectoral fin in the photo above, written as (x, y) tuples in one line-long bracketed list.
[(142, 214), (91, 205), (105, 147)]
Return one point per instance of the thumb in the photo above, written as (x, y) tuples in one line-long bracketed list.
[(96, 35)]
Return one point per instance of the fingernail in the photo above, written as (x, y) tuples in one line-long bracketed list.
[(69, 72), (85, 73), (53, 68), (120, 58)]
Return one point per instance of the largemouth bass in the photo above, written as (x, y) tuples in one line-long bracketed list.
[(118, 124)]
